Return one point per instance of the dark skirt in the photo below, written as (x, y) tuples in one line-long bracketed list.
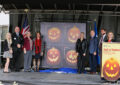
[(38, 56)]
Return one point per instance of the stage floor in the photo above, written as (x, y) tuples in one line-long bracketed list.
[(36, 78)]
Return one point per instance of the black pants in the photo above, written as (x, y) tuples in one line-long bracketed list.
[(93, 62), (80, 63), (16, 57)]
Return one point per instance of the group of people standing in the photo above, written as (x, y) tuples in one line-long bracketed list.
[(94, 47), (15, 44)]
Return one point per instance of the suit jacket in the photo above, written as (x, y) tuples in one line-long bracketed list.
[(93, 45), (17, 40), (113, 40), (105, 38), (5, 47), (100, 44), (82, 45)]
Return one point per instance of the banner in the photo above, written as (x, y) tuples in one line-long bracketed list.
[(110, 61), (60, 39)]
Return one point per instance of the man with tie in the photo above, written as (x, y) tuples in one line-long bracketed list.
[(102, 38), (17, 45)]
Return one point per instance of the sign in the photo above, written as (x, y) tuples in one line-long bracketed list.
[(60, 39), (110, 61)]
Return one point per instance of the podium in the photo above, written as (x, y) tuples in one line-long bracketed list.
[(110, 68)]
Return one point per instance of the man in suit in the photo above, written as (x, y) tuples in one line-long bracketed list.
[(102, 38), (18, 41), (93, 44)]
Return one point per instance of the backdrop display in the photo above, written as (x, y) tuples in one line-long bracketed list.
[(110, 61), (60, 39)]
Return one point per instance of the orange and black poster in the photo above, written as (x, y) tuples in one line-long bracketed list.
[(110, 61), (60, 39)]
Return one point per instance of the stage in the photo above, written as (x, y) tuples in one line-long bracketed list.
[(35, 78)]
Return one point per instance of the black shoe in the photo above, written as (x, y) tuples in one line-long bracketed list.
[(17, 70), (25, 71), (79, 72), (12, 70), (102, 78)]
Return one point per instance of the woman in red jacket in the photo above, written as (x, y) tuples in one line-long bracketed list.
[(38, 51), (28, 45)]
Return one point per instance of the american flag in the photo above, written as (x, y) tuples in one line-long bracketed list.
[(26, 27)]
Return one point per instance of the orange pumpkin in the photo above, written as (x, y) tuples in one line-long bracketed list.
[(73, 34), (71, 57), (53, 56), (54, 34), (111, 70)]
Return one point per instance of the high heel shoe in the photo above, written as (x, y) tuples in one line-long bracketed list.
[(6, 72)]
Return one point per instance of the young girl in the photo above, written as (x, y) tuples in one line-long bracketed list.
[(7, 52)]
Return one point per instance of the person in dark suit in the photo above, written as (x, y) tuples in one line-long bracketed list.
[(102, 39), (81, 49), (93, 45), (110, 37), (17, 45)]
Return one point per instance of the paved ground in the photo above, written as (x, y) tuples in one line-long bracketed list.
[(34, 78)]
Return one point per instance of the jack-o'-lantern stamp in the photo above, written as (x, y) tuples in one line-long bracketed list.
[(71, 57), (111, 70), (54, 34), (53, 56), (73, 34)]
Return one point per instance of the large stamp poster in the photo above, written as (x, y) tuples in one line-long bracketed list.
[(60, 39)]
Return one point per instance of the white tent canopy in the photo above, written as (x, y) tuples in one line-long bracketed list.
[(4, 19)]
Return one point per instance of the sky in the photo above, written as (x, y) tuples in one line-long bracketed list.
[(4, 19)]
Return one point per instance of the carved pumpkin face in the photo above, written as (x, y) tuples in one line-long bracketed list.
[(71, 57), (111, 70), (54, 34), (53, 56), (73, 34)]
